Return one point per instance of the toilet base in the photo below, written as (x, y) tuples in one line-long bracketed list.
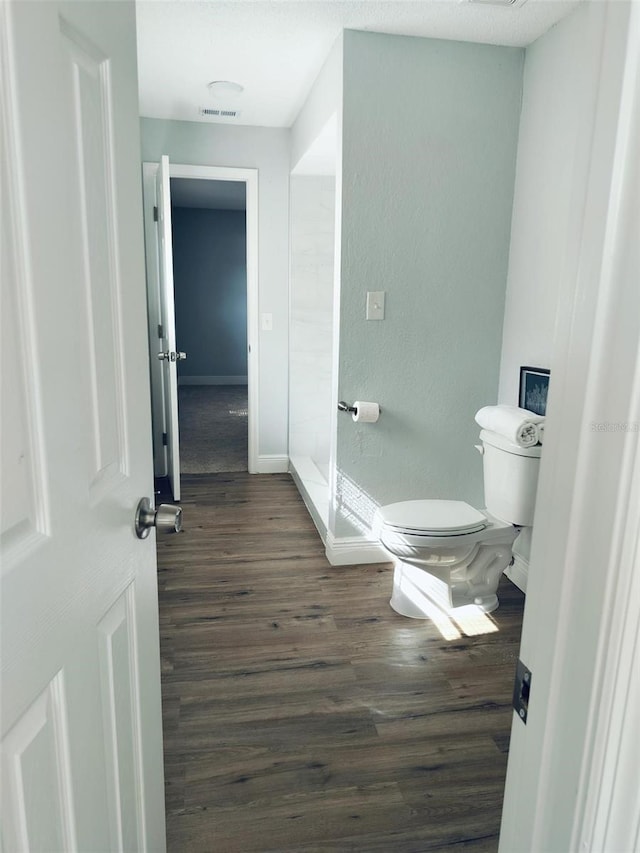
[(416, 589)]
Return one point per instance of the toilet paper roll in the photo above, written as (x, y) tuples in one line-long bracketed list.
[(365, 413)]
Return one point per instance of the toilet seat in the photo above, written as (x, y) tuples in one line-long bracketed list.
[(433, 518)]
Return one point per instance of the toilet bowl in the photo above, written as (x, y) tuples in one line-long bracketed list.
[(448, 551), (451, 554)]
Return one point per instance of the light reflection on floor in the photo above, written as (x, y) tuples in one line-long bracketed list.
[(468, 620)]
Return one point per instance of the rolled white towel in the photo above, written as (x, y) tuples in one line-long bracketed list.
[(541, 432), (518, 425)]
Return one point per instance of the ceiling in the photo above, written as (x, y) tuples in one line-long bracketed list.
[(212, 195), (275, 48)]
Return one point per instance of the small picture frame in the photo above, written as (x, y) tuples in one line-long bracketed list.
[(534, 386)]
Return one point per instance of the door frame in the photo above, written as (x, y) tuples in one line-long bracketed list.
[(572, 772), (203, 173)]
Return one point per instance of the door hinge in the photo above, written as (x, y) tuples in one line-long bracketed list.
[(160, 331), (521, 690), (155, 212), (164, 439)]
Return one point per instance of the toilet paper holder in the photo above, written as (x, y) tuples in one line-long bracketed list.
[(346, 407)]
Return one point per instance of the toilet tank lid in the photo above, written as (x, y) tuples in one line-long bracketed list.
[(499, 441), (433, 515)]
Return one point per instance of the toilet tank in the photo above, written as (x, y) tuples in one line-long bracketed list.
[(510, 478)]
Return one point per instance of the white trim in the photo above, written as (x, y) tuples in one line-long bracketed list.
[(354, 550), (337, 297), (518, 573), (314, 492), (342, 550), (250, 178), (608, 813), (212, 173), (608, 794), (151, 249), (212, 380), (164, 234), (272, 463)]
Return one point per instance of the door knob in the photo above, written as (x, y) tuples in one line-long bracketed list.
[(170, 355), (167, 518)]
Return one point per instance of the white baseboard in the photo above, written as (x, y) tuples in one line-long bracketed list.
[(518, 573), (343, 550), (212, 380), (314, 492), (354, 550), (273, 463)]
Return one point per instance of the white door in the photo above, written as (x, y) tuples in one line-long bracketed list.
[(168, 313), (81, 717)]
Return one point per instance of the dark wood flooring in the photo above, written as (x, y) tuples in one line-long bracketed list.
[(300, 712)]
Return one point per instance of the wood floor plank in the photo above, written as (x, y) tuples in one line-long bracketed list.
[(300, 712)]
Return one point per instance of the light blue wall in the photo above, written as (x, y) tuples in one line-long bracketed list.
[(267, 150), (210, 278), (428, 159)]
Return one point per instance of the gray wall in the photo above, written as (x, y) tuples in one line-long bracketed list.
[(265, 149), (210, 279), (429, 149)]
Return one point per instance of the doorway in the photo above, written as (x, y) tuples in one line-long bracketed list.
[(210, 283), (212, 254)]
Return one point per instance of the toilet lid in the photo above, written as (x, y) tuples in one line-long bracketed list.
[(433, 518)]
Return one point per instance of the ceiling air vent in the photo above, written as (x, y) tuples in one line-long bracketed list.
[(219, 113)]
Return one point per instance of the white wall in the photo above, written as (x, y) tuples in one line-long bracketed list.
[(555, 122), (265, 149), (555, 125), (323, 102), (311, 335)]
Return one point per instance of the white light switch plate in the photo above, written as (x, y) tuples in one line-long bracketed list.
[(375, 305)]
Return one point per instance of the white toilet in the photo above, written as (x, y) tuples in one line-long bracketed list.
[(449, 553)]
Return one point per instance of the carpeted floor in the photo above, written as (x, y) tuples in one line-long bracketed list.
[(213, 428)]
